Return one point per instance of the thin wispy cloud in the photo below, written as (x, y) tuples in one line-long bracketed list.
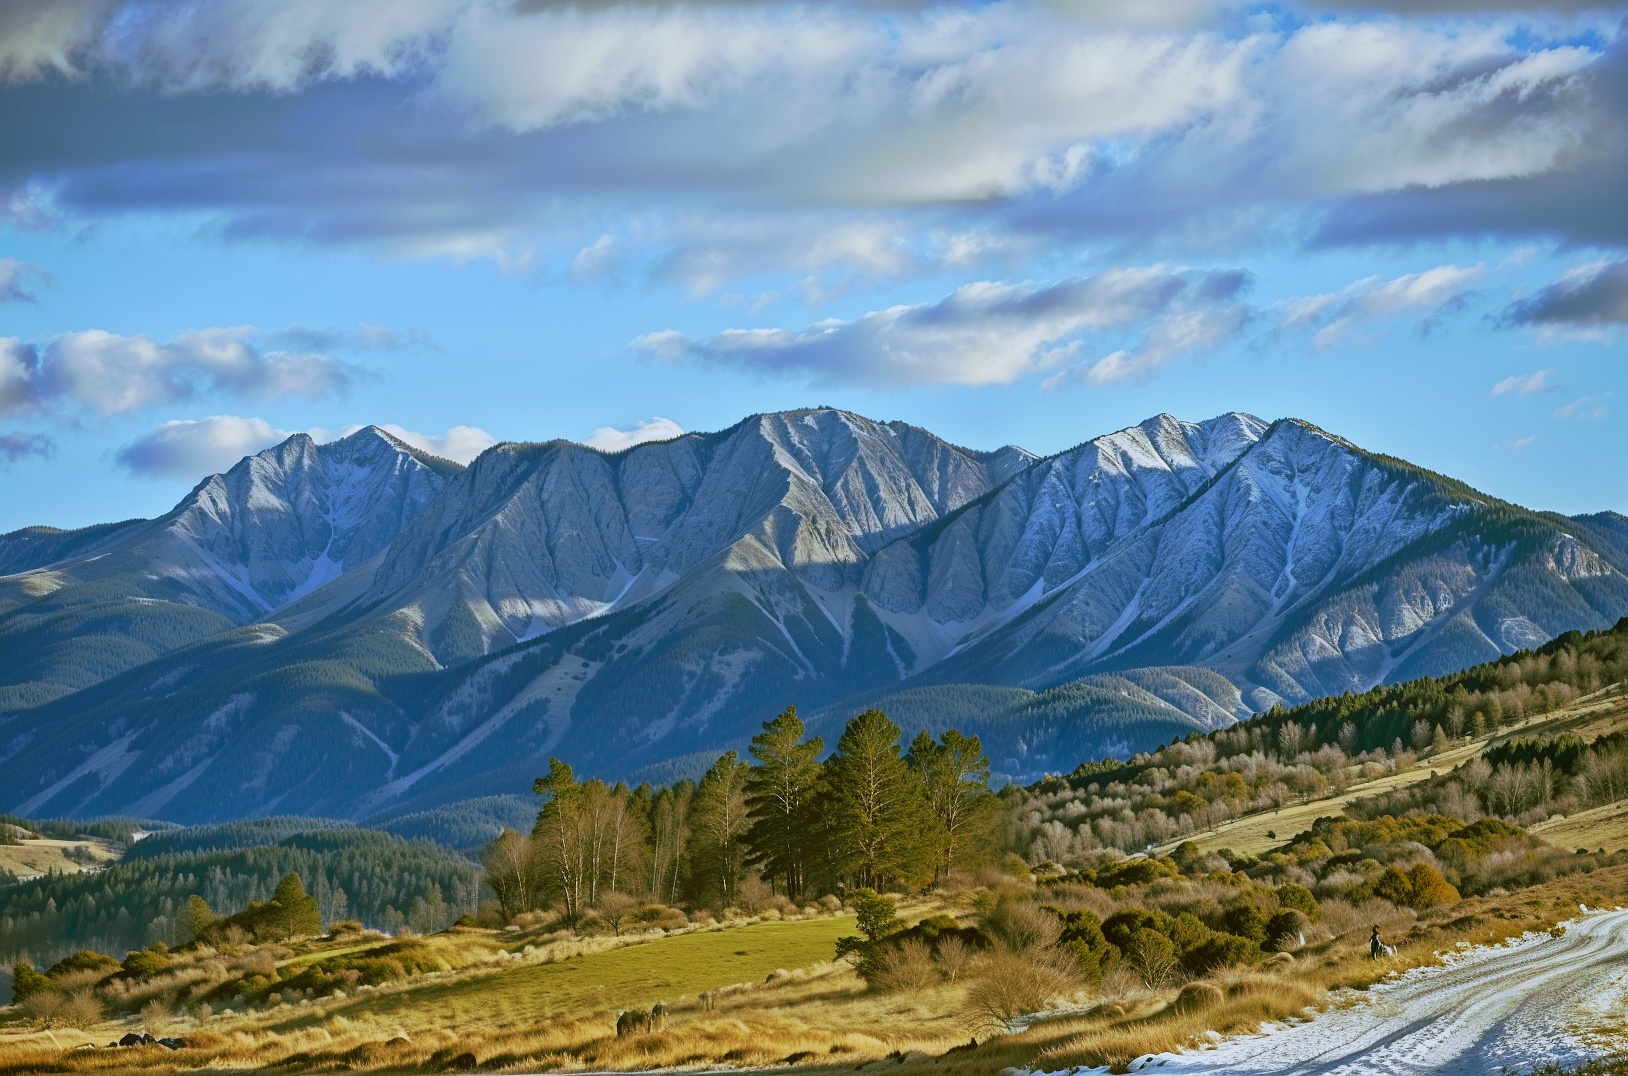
[(18, 279), (992, 333), (17, 446), (1331, 317), (1584, 407), (1525, 384)]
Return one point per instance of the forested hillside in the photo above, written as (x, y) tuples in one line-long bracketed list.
[(1309, 751), (377, 878)]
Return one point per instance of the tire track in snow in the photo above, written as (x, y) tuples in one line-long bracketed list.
[(1511, 1006)]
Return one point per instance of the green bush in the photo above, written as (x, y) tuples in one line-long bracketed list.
[(1220, 950), (1245, 920), (84, 960), (145, 963), (26, 982), (1290, 923), (1083, 939), (1298, 898)]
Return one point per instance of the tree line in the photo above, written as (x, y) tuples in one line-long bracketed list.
[(875, 814), (147, 897)]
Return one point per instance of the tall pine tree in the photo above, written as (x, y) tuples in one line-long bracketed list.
[(880, 825), (779, 797)]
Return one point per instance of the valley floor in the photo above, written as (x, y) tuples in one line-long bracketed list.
[(1518, 996)]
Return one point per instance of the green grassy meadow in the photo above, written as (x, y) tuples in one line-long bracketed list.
[(633, 976)]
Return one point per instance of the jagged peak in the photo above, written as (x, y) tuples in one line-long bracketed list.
[(373, 440)]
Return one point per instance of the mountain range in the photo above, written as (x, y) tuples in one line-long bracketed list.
[(358, 629)]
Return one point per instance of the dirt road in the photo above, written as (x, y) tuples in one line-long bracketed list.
[(1535, 1000)]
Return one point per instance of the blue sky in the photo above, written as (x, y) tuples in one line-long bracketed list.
[(224, 221)]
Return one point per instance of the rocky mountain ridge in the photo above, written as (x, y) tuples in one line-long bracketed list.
[(399, 633)]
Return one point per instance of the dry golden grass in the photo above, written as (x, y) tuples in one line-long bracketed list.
[(819, 1016), (39, 855), (1599, 827)]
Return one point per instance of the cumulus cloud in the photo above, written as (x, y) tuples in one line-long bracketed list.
[(1525, 384), (16, 446), (990, 333), (15, 276), (1331, 316), (112, 374), (611, 439), (188, 449), (1589, 301)]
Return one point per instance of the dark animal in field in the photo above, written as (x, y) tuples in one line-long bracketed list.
[(632, 1022), (658, 1016)]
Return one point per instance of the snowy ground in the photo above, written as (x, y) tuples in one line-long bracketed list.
[(1515, 1006)]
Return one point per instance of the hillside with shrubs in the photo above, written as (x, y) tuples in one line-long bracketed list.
[(875, 901)]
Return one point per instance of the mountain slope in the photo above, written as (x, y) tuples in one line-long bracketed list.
[(626, 610), (85, 605), (1308, 567)]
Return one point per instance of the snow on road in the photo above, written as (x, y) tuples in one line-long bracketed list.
[(1514, 1006)]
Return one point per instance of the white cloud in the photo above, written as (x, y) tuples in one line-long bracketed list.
[(1525, 384), (1518, 444), (112, 374), (1332, 315), (611, 439), (989, 333), (1069, 120), (596, 259), (219, 44), (188, 449)]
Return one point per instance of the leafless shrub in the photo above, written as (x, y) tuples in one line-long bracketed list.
[(1009, 985), (909, 968), (954, 956), (44, 1007), (156, 1016), (616, 909), (82, 1010), (1021, 925)]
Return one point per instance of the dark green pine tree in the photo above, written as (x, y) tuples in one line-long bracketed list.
[(297, 913), (881, 826), (780, 794)]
